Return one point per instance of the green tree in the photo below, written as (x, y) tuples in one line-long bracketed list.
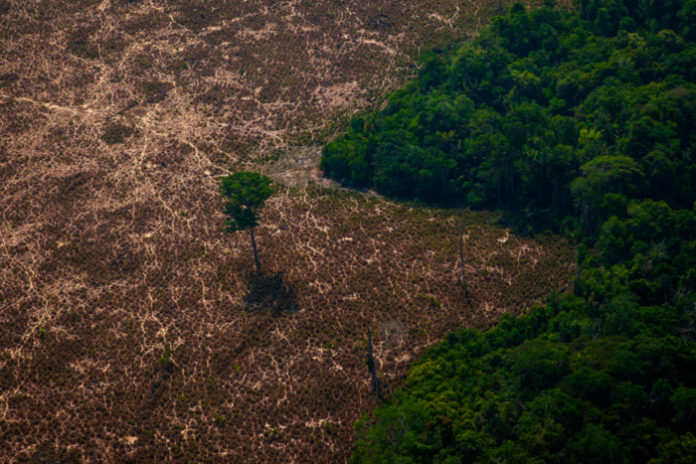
[(246, 193), (601, 176)]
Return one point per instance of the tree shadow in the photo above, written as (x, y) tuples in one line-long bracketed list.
[(269, 292)]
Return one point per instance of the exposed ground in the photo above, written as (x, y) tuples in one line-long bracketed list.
[(130, 329)]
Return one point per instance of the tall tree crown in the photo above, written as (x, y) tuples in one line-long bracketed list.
[(246, 193)]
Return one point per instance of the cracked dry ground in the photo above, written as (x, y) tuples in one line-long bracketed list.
[(123, 334)]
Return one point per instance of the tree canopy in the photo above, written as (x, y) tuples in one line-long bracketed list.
[(245, 192), (510, 119), (576, 122)]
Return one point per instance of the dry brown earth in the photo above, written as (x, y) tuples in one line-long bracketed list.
[(124, 329)]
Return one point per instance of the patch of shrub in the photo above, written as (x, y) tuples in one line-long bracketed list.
[(81, 43), (155, 91), (115, 132), (7, 79)]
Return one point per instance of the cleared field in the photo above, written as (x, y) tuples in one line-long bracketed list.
[(130, 330)]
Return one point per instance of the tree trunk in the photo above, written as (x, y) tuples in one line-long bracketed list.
[(461, 257), (373, 368), (256, 253)]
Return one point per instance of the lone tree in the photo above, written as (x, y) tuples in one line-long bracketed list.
[(246, 193)]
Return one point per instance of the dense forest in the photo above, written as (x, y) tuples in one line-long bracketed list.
[(580, 122), (546, 113)]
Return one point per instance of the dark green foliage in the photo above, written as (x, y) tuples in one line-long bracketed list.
[(540, 99), (570, 120), (600, 379), (245, 192)]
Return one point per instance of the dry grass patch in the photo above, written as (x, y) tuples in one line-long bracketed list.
[(135, 321)]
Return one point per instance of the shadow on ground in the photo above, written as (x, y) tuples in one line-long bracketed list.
[(269, 292)]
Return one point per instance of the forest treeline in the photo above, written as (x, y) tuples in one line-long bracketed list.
[(576, 121), (545, 113)]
